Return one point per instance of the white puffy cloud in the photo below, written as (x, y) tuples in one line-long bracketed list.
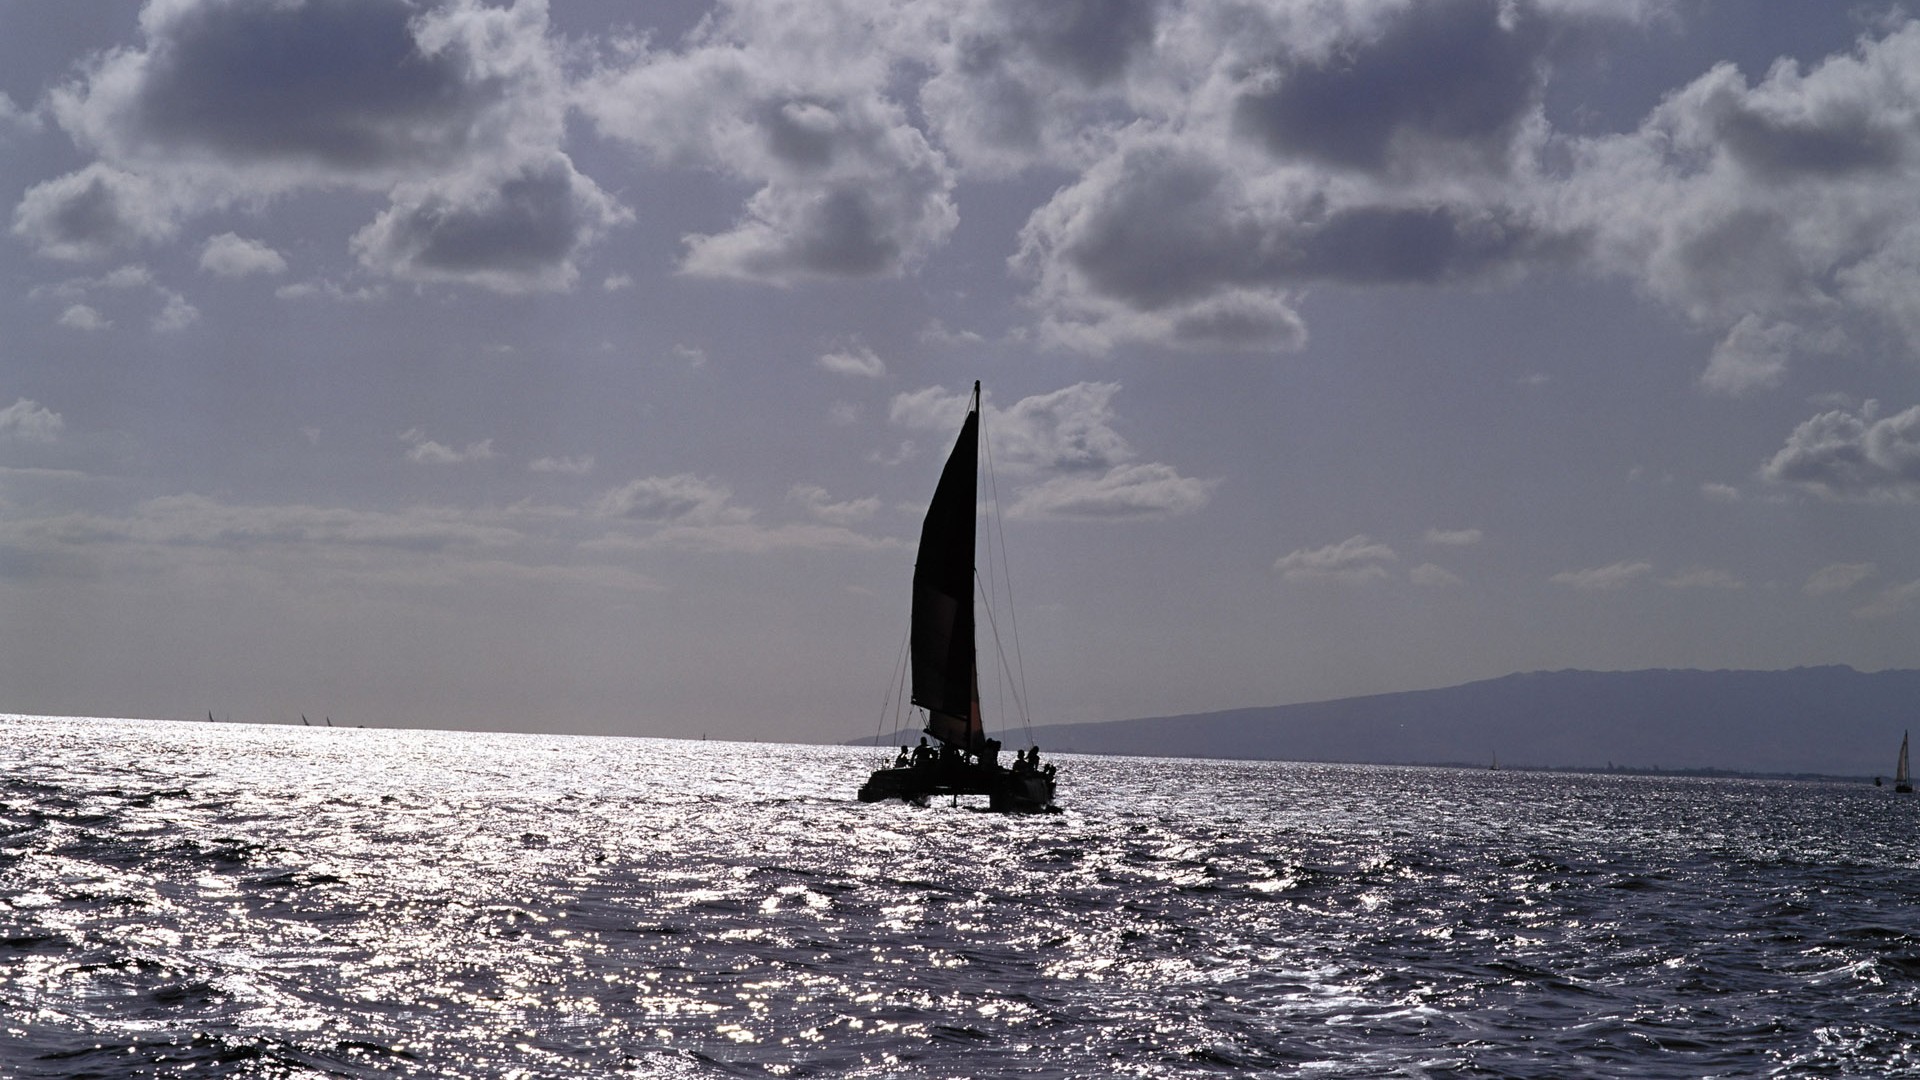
[(1837, 578), (1123, 491), (680, 498), (1843, 455), (794, 100), (83, 317), (92, 213), (424, 451), (566, 466), (1777, 212), (1434, 577), (1704, 578), (820, 506), (1357, 560), (1453, 537), (455, 110), (29, 421), (521, 233), (857, 360), (230, 255), (1614, 576), (1072, 461)]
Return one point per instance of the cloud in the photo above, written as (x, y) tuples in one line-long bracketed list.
[(857, 360), (819, 506), (1890, 601), (1616, 576), (1453, 537), (176, 314), (566, 466), (522, 234), (1123, 491), (424, 451), (1720, 493), (1072, 461), (1434, 577), (31, 422), (1776, 212), (83, 317), (1703, 579), (680, 498), (799, 103), (229, 255), (92, 213), (1843, 455), (1357, 560), (1837, 578), (455, 110)]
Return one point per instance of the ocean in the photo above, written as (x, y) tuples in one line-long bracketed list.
[(210, 900)]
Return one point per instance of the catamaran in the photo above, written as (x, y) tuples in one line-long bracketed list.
[(944, 662)]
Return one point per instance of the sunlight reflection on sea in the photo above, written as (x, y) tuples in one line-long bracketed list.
[(300, 902)]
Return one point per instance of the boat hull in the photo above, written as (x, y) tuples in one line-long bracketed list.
[(1006, 791)]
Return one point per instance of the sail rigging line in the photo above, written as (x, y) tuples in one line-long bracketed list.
[(1017, 675), (896, 692)]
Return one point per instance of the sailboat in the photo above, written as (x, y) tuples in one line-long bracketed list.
[(944, 662), (1902, 778)]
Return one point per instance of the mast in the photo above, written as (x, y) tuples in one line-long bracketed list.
[(945, 678)]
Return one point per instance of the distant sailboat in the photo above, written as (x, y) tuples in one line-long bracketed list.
[(946, 676), (1902, 778)]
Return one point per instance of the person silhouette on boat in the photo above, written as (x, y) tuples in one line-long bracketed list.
[(922, 754), (902, 760)]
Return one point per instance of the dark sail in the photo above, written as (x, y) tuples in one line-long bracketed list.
[(943, 674)]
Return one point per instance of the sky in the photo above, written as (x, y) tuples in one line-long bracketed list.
[(586, 367)]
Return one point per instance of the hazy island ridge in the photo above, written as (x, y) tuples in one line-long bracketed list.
[(1828, 720)]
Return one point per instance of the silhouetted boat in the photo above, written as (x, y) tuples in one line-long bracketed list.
[(946, 680), (1902, 779)]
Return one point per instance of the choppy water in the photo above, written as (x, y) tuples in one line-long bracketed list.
[(187, 900)]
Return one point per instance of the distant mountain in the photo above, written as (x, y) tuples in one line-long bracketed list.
[(1830, 720)]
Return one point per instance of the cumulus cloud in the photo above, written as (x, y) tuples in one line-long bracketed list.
[(29, 421), (1777, 212), (1704, 578), (1844, 455), (83, 317), (566, 466), (1837, 578), (1615, 576), (1071, 460), (1357, 560), (424, 451), (1123, 491), (1890, 601), (1453, 537), (455, 110), (1434, 577), (230, 255), (821, 507), (857, 360), (680, 498), (175, 314), (92, 213), (797, 102), (520, 234)]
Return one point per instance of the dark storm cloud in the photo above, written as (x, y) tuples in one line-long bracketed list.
[(340, 82), (1450, 72)]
